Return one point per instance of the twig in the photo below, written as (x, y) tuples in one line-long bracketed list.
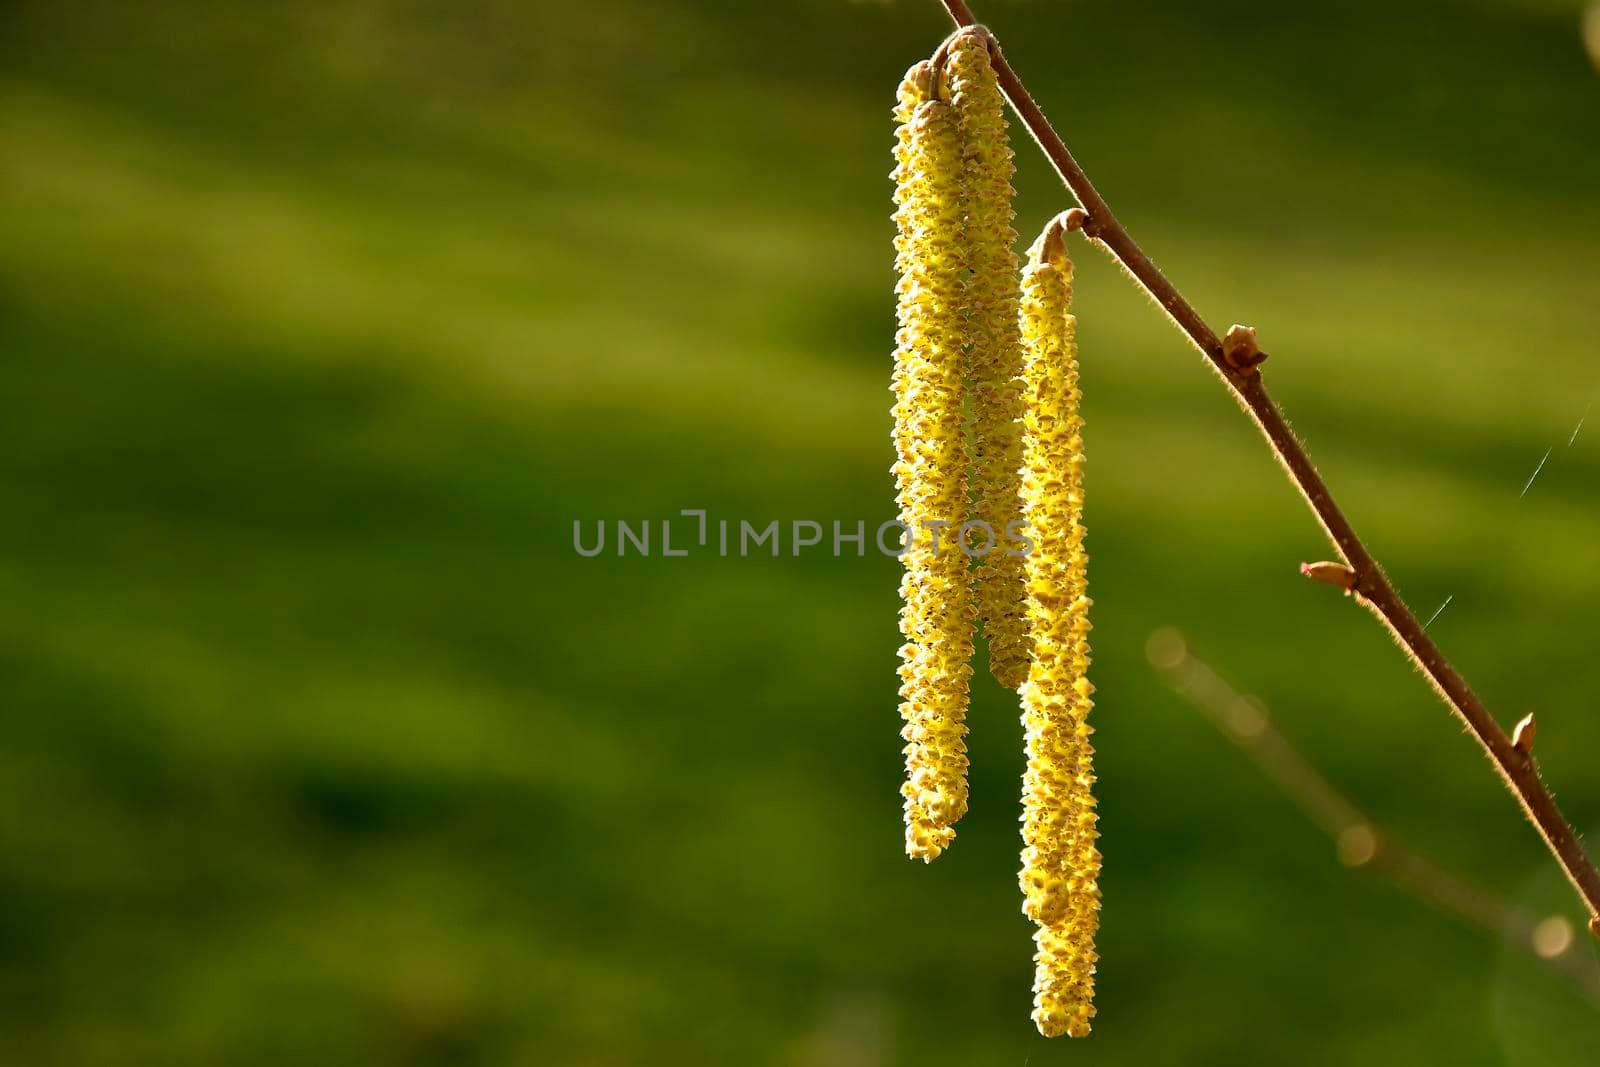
[(1357, 839), (1369, 585)]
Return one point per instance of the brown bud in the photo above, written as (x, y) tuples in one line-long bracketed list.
[(1239, 348), (1329, 573), (1522, 736)]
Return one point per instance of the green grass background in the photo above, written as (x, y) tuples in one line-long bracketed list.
[(321, 322)]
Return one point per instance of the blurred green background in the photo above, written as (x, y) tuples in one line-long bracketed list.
[(321, 322)]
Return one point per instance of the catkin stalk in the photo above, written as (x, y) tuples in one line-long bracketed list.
[(1060, 863), (994, 358), (930, 470)]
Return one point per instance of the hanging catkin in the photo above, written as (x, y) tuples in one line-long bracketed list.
[(1060, 863), (930, 469), (994, 358)]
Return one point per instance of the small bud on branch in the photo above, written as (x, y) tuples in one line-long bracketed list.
[(1522, 736), (1329, 573), (1240, 350)]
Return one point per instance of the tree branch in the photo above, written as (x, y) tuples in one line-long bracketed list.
[(1358, 840), (1238, 365)]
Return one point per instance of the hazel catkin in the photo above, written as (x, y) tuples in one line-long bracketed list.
[(1060, 861), (994, 359), (936, 619)]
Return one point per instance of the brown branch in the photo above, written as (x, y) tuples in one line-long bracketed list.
[(1360, 843), (1238, 365)]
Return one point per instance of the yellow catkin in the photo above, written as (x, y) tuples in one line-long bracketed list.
[(930, 470), (1060, 863), (994, 359)]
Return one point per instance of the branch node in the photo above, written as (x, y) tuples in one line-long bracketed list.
[(1522, 736), (1239, 349), (1330, 573)]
